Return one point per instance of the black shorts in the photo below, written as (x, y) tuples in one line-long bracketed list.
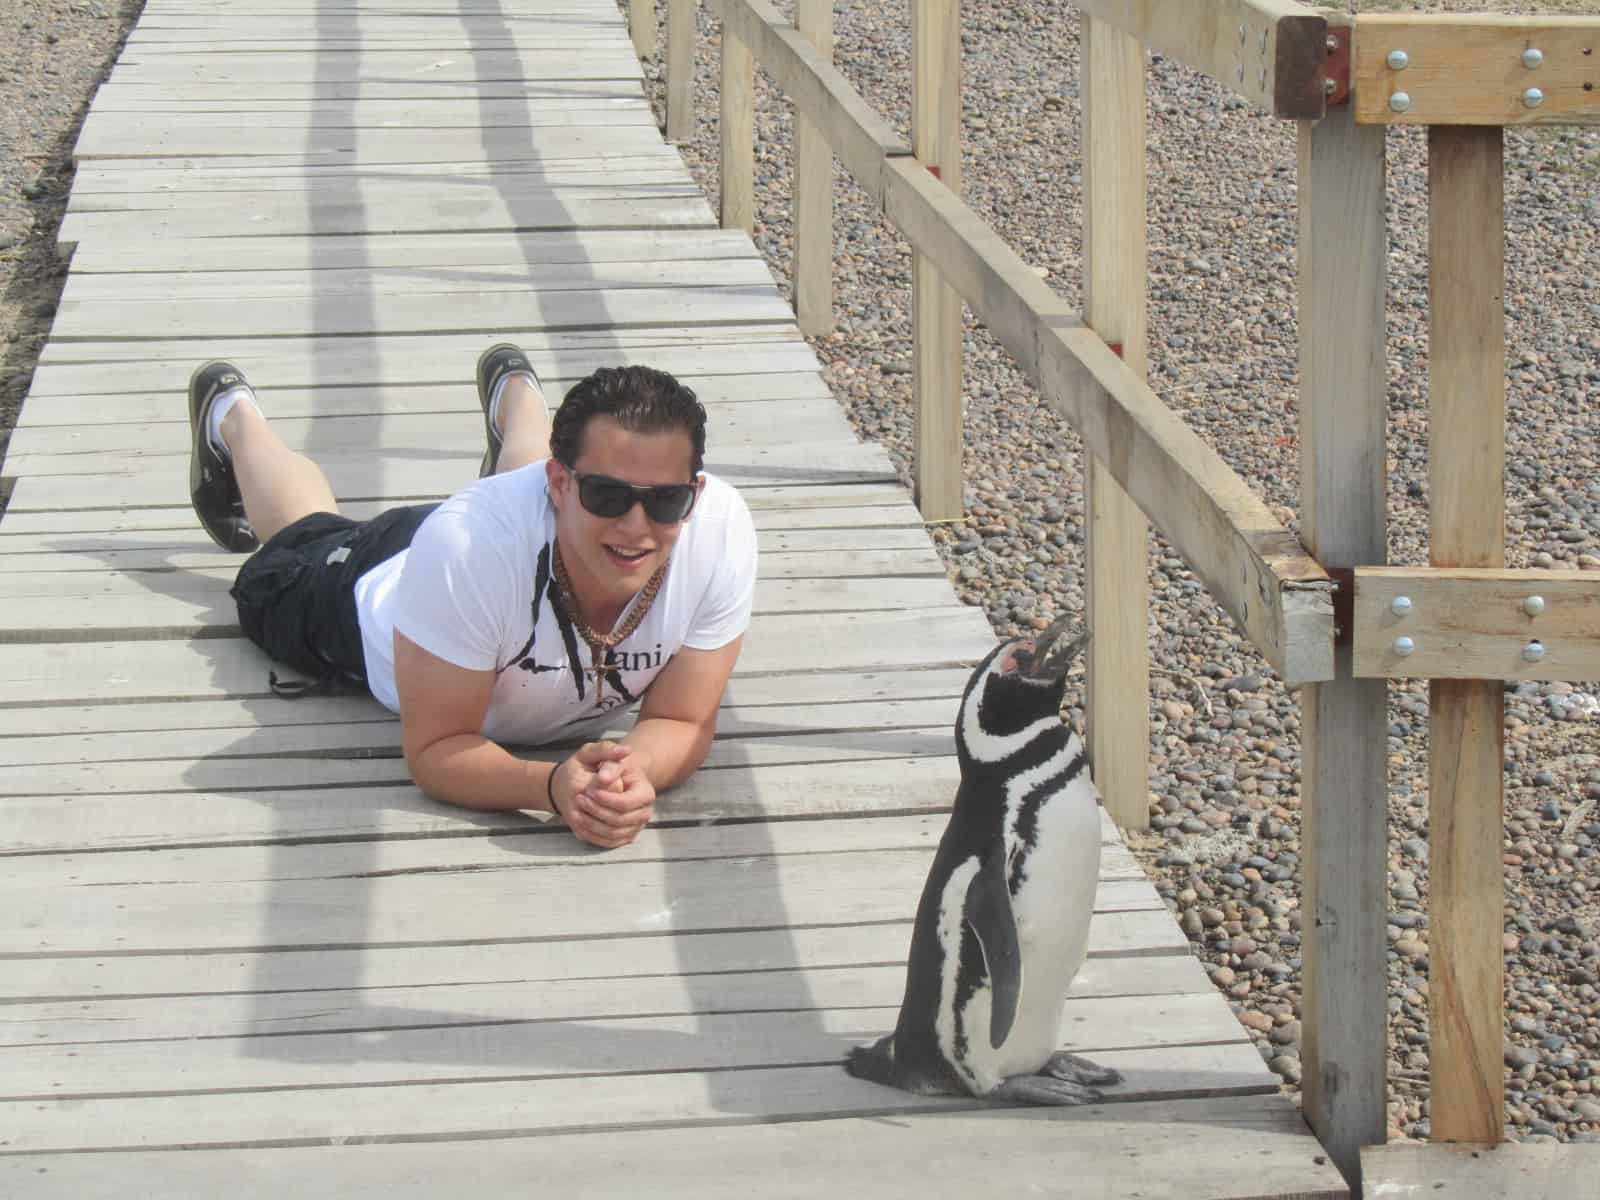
[(296, 595)]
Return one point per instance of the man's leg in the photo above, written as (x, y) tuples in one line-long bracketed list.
[(279, 486), (524, 424)]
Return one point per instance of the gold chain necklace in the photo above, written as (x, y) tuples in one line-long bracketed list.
[(600, 644)]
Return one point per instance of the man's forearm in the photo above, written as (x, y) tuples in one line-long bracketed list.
[(668, 751), (470, 771)]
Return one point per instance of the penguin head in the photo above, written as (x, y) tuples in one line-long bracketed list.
[(1020, 682)]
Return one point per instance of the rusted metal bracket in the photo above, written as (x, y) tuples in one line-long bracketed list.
[(1336, 72), (1344, 604)]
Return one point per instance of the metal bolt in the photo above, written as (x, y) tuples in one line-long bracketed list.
[(1400, 606), (1532, 98), (1533, 652), (1400, 102), (1243, 34), (1533, 605), (1333, 44), (1398, 60), (1329, 87), (1404, 647), (1240, 74), (1532, 58), (1263, 41)]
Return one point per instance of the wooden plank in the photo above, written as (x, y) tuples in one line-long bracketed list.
[(681, 33), (127, 95), (249, 68), (642, 26), (1475, 69), (736, 129), (720, 1041), (230, 773), (119, 672), (935, 306), (380, 251), (1466, 528), (447, 906), (77, 371), (1477, 624), (1032, 1150), (859, 135), (1256, 569), (249, 717), (523, 1103), (184, 605), (1484, 1172), (1343, 399), (285, 215), (185, 181), (813, 191), (407, 472), (55, 450), (167, 554), (771, 508), (1271, 52), (350, 1009), (1116, 559)]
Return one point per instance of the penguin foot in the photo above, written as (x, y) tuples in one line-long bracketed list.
[(1074, 1068), (1043, 1089)]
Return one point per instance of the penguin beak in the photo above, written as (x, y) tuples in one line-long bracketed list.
[(1055, 648)]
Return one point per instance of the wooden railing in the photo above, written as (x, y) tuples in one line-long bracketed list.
[(1327, 614)]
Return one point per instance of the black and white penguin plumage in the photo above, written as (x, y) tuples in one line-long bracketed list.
[(1003, 924)]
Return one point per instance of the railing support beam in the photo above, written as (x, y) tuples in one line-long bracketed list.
[(1117, 579), (1466, 718), (1343, 722), (936, 308), (642, 26), (680, 70), (737, 130), (813, 191)]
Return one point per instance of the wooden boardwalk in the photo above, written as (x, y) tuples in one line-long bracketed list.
[(234, 927)]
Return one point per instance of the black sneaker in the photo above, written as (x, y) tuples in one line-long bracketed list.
[(494, 364), (213, 489)]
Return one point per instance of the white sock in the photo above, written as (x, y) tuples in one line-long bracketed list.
[(499, 391), (220, 408)]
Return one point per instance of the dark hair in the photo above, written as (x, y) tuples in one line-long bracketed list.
[(640, 399)]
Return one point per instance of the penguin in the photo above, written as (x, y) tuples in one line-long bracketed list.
[(1003, 923)]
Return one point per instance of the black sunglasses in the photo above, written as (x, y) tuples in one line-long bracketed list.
[(664, 503)]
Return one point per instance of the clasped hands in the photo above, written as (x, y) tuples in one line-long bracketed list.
[(603, 797)]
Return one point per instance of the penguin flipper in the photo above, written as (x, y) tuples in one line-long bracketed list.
[(987, 913)]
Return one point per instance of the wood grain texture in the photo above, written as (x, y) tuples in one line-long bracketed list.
[(1271, 52), (1484, 1172), (737, 129), (1116, 585), (813, 191), (1478, 624), (935, 306), (1342, 274), (1468, 69), (896, 1158), (1466, 525), (681, 34)]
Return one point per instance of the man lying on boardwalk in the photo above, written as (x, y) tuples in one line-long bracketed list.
[(591, 564)]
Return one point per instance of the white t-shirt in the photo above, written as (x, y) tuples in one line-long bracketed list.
[(474, 589)]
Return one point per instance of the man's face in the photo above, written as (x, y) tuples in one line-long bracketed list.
[(609, 559)]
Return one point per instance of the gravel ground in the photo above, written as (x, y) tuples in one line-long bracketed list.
[(53, 53), (1224, 745), (1225, 760)]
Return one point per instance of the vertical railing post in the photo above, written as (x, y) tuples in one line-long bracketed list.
[(1466, 731), (642, 26), (737, 128), (1117, 567), (813, 191), (680, 70), (936, 308), (1344, 733)]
